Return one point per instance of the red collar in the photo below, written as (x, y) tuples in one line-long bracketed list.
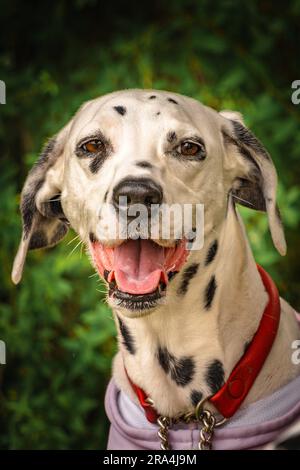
[(229, 398)]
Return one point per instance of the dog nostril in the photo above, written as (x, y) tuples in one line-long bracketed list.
[(143, 191), (149, 200), (148, 196)]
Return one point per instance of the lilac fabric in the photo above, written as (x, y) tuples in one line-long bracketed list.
[(249, 436), (253, 426)]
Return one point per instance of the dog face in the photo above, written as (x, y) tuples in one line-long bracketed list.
[(148, 149)]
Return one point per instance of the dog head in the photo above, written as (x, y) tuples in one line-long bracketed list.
[(127, 153)]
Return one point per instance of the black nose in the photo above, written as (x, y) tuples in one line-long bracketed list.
[(137, 191)]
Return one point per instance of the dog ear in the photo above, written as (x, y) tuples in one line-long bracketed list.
[(44, 223), (252, 172)]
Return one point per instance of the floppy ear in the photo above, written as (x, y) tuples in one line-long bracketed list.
[(44, 223), (253, 175)]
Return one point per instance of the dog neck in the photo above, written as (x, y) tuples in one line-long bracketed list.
[(188, 346)]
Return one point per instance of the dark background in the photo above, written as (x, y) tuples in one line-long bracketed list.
[(59, 334)]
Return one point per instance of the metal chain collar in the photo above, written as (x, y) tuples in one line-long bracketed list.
[(203, 416)]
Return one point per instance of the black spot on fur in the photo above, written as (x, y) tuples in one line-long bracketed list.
[(196, 396), (152, 97), (215, 375), (46, 152), (242, 150), (92, 237), (171, 136), (187, 276), (128, 340), (38, 240), (144, 165), (278, 215), (28, 210), (97, 160), (181, 370), (246, 137), (59, 234), (212, 251), (247, 156), (158, 113), (53, 208), (247, 191), (210, 292), (164, 359), (120, 109), (28, 207), (46, 159), (105, 197), (231, 205), (171, 100), (96, 163)]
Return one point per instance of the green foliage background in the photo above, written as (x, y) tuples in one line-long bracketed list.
[(59, 333)]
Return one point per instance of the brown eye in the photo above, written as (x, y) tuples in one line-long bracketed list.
[(93, 146), (191, 149)]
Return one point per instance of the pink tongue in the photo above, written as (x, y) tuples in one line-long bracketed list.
[(138, 265)]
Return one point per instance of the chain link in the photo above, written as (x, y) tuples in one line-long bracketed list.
[(206, 433), (163, 423), (203, 416)]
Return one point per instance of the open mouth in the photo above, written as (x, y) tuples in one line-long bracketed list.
[(138, 271)]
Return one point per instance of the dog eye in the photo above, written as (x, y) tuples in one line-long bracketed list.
[(192, 149), (93, 146)]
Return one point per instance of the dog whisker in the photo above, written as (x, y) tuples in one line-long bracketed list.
[(93, 275), (73, 239), (243, 200), (53, 200), (78, 244), (101, 291)]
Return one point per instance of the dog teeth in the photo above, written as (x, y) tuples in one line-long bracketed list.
[(110, 278)]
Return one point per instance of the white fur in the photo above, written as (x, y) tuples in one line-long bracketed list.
[(180, 323)]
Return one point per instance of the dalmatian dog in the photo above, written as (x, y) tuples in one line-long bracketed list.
[(184, 316)]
